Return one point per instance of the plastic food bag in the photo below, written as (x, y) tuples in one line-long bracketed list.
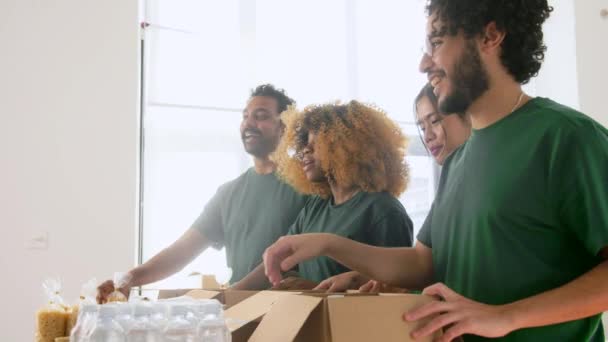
[(88, 291), (52, 318), (121, 279)]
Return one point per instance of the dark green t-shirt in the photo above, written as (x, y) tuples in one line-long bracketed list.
[(376, 219), (522, 208), (247, 215)]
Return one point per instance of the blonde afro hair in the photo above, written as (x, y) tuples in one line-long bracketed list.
[(357, 144)]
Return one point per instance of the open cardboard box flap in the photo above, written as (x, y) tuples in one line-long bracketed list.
[(340, 318), (244, 308), (287, 317), (252, 308), (227, 297)]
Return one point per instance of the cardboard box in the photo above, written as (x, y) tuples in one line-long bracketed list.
[(244, 309), (165, 294), (339, 318), (208, 281), (283, 316)]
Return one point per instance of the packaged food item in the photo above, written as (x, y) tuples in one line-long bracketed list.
[(121, 279), (51, 320), (88, 291)]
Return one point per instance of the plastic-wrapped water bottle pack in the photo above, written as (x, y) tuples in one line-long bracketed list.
[(181, 319)]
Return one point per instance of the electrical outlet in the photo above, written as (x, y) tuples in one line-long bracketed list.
[(38, 241)]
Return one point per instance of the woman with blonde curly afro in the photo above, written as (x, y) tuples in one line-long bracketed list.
[(351, 158)]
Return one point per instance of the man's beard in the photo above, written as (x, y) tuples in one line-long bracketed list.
[(469, 82), (264, 146)]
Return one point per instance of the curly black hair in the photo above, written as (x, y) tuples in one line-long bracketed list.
[(523, 49), (278, 94)]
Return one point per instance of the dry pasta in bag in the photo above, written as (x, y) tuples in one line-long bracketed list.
[(51, 320)]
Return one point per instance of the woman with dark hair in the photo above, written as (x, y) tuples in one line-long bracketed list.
[(440, 133)]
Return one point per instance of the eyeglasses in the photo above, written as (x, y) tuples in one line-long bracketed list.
[(300, 153)]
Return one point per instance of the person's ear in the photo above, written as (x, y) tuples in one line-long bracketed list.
[(491, 38)]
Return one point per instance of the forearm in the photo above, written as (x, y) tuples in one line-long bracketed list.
[(582, 297), (159, 267), (402, 267), (171, 259), (255, 280)]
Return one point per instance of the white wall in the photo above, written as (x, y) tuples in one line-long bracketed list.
[(68, 147), (558, 77), (592, 59)]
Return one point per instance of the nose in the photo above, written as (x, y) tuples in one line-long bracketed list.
[(429, 135), (426, 63), (249, 122)]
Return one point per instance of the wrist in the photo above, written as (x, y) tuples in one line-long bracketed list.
[(513, 316), (133, 278), (327, 244)]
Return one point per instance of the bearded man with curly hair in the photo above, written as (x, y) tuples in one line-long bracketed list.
[(350, 158), (516, 242)]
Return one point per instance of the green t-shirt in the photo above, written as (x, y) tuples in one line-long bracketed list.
[(373, 218), (247, 215), (522, 208)]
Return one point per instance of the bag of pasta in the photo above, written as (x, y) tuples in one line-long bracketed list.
[(52, 318), (121, 279), (88, 291)]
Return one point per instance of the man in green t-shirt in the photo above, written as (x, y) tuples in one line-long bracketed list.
[(516, 242), (350, 157), (246, 214)]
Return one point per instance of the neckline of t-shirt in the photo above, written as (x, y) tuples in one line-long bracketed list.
[(341, 205), (479, 132), (252, 170)]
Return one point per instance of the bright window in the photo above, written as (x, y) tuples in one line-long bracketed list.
[(201, 59)]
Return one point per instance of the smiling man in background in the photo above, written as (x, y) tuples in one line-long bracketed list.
[(246, 215)]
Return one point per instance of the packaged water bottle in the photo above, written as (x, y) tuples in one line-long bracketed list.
[(180, 327), (87, 316), (106, 329), (144, 328), (160, 315), (212, 326), (124, 315)]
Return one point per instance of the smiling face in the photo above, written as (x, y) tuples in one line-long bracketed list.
[(454, 68), (261, 127)]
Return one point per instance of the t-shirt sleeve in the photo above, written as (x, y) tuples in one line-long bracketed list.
[(209, 223), (424, 235), (579, 179), (394, 229)]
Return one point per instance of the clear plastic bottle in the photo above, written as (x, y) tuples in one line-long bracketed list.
[(160, 315), (106, 329), (124, 315), (212, 326), (143, 328), (180, 327), (87, 315)]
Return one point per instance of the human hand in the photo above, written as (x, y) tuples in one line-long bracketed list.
[(458, 316), (290, 250)]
